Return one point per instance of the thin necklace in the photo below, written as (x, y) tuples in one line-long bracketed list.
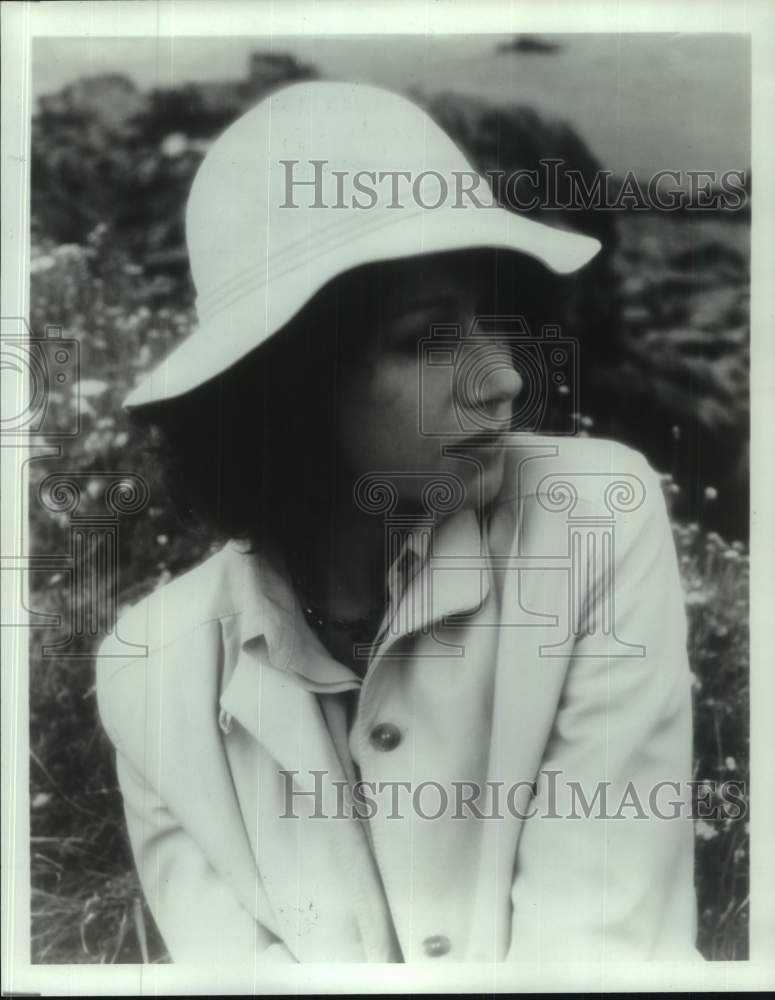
[(320, 619)]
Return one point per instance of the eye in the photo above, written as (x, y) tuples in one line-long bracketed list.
[(405, 334), (414, 321)]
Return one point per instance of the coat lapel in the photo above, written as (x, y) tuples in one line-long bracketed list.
[(283, 715), (453, 579), (272, 693)]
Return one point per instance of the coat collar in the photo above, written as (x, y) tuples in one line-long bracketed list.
[(446, 578), (275, 668)]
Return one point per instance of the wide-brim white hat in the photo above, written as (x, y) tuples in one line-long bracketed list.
[(319, 178)]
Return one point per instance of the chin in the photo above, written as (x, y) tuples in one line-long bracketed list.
[(491, 485), (484, 483)]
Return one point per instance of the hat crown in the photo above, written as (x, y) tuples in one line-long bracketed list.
[(283, 172), (265, 232)]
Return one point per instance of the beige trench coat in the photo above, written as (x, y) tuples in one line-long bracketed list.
[(547, 649)]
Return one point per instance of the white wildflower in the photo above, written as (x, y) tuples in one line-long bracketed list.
[(89, 387), (43, 263), (174, 144), (704, 830)]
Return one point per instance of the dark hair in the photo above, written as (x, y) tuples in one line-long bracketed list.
[(230, 449), (242, 452)]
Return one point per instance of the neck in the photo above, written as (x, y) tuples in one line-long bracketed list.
[(338, 558)]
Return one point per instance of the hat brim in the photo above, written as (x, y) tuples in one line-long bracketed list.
[(254, 314)]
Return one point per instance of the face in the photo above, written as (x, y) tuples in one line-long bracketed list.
[(423, 403)]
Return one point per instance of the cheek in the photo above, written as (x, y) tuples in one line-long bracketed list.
[(381, 421), (395, 399), (414, 396)]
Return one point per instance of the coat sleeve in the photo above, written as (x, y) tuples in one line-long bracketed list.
[(588, 887), (198, 916)]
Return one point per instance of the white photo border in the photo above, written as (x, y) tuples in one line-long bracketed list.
[(23, 21)]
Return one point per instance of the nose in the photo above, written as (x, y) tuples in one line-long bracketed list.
[(493, 382), (500, 387)]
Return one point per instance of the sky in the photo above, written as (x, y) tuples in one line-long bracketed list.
[(642, 102)]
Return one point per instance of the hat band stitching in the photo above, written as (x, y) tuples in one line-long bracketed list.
[(256, 274), (319, 242), (319, 232), (354, 222)]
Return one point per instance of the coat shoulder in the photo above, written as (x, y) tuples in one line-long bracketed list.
[(180, 608), (536, 464), (550, 481), (172, 607), (166, 642)]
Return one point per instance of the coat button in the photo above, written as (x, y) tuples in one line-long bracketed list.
[(436, 945), (385, 736)]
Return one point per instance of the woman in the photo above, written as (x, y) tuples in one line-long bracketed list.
[(419, 704)]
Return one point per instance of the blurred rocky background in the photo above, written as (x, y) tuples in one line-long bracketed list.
[(662, 319)]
